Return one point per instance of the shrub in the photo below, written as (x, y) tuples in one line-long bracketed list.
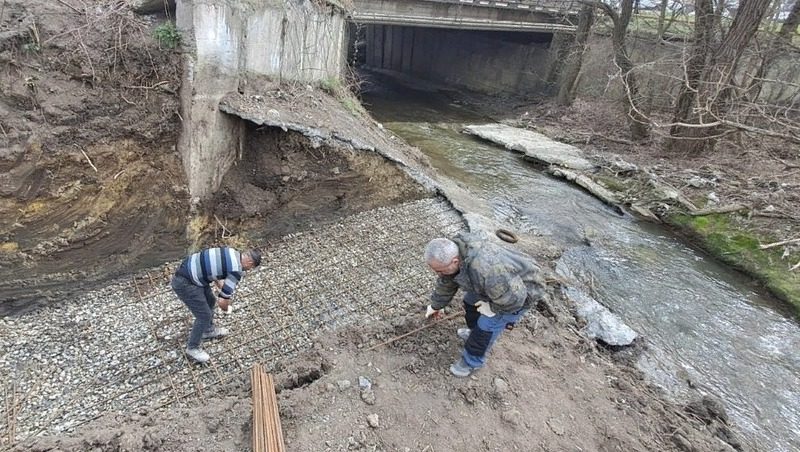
[(167, 35)]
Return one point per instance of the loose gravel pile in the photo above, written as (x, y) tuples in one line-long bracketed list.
[(121, 348)]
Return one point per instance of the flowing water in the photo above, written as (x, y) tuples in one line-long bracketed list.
[(703, 323)]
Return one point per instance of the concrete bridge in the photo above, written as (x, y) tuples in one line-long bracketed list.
[(505, 15), (233, 46)]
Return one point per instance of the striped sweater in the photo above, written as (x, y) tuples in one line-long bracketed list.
[(214, 264)]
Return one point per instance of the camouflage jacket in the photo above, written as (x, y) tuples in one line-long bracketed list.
[(508, 280)]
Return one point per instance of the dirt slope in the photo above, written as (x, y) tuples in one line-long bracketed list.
[(88, 170)]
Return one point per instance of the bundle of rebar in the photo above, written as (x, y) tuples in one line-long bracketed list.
[(267, 433)]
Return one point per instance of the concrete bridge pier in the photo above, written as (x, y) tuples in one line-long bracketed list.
[(236, 45)]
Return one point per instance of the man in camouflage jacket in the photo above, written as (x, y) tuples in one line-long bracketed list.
[(500, 287)]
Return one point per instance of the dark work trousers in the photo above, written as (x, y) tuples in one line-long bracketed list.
[(485, 330), (201, 301)]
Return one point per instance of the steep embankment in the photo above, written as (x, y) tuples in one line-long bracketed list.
[(90, 185)]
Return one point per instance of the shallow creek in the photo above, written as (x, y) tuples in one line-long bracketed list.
[(702, 322)]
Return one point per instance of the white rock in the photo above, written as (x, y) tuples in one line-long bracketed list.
[(373, 420)]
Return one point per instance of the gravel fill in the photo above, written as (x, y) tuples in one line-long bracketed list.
[(121, 348)]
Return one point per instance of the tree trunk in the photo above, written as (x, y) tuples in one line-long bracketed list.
[(719, 29), (559, 52), (566, 92), (638, 122), (713, 88), (780, 43), (694, 64), (662, 19)]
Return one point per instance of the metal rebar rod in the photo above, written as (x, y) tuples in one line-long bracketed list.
[(414, 331)]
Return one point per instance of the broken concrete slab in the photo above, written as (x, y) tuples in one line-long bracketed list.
[(322, 120), (601, 324), (588, 184), (534, 145)]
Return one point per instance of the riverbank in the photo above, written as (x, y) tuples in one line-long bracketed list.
[(94, 361), (738, 204)]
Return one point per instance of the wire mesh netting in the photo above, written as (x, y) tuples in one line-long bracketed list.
[(122, 348)]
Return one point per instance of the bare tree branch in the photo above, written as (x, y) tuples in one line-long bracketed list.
[(781, 243)]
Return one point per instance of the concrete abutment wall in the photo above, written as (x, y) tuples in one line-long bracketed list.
[(229, 44)]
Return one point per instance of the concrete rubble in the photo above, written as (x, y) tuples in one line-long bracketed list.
[(534, 145)]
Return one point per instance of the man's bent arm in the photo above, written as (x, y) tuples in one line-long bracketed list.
[(446, 288)]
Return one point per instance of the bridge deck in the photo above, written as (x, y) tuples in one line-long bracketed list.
[(509, 15), (551, 6)]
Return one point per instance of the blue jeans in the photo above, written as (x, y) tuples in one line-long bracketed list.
[(201, 301), (485, 330)]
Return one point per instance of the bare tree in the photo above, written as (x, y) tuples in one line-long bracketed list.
[(675, 8), (781, 42), (559, 53), (707, 89), (638, 122), (694, 65), (720, 8), (566, 91)]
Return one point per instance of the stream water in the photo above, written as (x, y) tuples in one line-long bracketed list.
[(702, 322)]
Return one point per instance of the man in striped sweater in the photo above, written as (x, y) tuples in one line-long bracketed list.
[(223, 267)]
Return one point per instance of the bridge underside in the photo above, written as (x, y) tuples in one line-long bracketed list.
[(483, 61), (490, 46)]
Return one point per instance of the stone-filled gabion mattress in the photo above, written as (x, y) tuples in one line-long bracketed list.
[(121, 348)]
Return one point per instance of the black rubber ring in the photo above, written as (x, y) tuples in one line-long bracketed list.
[(506, 236)]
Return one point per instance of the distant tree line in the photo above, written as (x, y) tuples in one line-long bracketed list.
[(729, 51)]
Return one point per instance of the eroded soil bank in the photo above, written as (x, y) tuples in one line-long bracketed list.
[(91, 186), (283, 183)]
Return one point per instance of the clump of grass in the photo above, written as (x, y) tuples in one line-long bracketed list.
[(167, 35), (612, 183), (353, 105), (741, 249), (335, 88), (332, 86)]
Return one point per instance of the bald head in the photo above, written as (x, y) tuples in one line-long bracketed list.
[(441, 255)]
